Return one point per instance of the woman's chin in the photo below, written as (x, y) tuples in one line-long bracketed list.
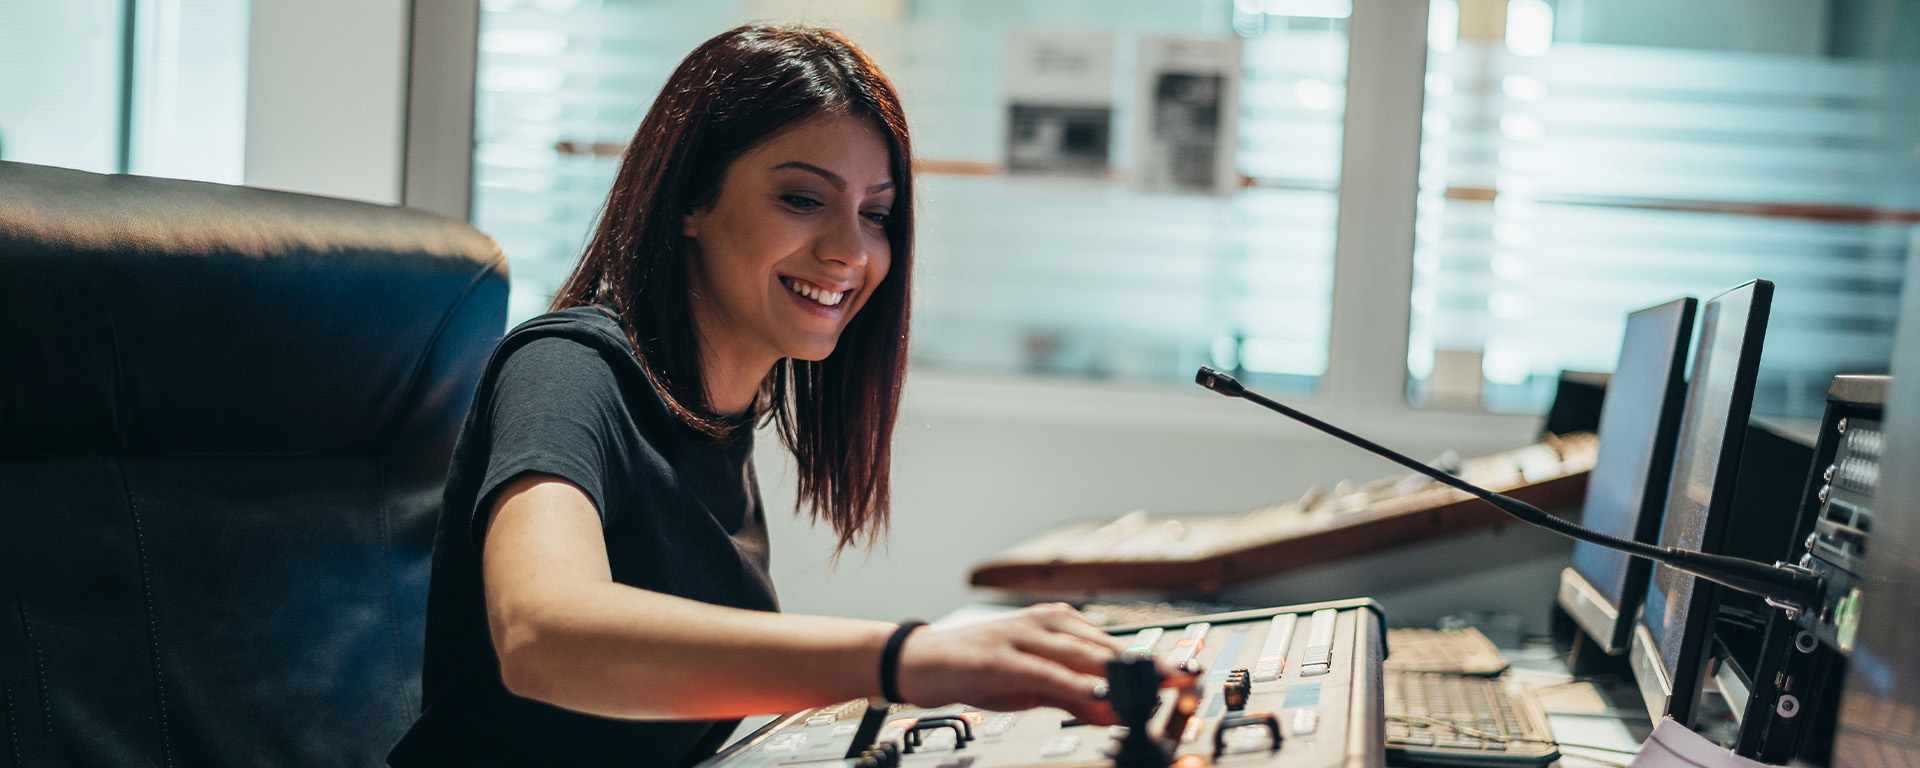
[(810, 352)]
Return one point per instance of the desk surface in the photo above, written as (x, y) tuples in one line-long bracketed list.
[(1598, 722)]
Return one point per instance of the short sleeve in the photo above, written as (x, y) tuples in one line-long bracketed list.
[(556, 409)]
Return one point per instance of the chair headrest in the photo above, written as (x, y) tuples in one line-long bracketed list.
[(159, 317)]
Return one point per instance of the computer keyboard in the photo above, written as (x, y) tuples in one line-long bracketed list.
[(1460, 720), (1450, 651)]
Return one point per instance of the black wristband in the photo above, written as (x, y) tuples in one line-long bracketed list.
[(890, 660)]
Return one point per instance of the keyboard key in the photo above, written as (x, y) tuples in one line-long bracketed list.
[(1452, 718)]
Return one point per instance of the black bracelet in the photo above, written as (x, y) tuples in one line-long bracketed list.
[(890, 660)]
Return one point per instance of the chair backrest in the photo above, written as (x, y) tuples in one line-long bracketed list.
[(225, 421)]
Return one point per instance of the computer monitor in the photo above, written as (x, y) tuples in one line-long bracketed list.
[(1639, 420), (1670, 639)]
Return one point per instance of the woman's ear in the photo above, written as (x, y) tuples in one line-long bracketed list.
[(690, 222)]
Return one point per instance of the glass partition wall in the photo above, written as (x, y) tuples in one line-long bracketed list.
[(1578, 159), (1042, 248), (1582, 159)]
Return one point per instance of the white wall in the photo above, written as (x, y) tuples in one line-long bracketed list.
[(326, 97), (60, 83)]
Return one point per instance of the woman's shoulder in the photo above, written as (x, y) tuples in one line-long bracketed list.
[(578, 348), (578, 333), (591, 325)]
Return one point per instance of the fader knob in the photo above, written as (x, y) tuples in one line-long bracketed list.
[(1238, 687), (886, 755)]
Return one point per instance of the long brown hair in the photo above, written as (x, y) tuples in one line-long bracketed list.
[(734, 91)]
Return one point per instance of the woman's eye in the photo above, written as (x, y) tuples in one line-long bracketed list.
[(877, 217), (800, 202)]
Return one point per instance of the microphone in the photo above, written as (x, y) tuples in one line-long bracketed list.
[(1788, 587)]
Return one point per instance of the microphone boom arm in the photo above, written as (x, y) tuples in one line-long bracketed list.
[(1791, 588)]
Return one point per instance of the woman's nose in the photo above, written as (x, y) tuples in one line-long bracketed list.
[(843, 242)]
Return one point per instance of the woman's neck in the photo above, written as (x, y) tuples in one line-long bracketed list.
[(732, 383), (731, 370)]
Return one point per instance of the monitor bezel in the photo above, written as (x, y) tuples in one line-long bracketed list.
[(1610, 626), (1680, 693)]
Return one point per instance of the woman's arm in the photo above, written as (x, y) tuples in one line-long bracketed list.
[(570, 636)]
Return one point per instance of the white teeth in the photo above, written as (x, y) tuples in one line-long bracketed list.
[(819, 296)]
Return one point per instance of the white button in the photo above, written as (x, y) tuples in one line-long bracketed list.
[(1061, 745), (1305, 721)]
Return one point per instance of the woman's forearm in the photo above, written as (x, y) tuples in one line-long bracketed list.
[(568, 635), (617, 651)]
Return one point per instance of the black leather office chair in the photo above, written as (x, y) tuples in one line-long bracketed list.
[(225, 419)]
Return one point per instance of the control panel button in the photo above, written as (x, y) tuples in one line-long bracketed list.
[(1304, 721), (1143, 642)]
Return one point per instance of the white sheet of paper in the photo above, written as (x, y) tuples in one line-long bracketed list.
[(1672, 745)]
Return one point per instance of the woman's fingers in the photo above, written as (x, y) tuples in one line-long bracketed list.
[(1058, 686), (1072, 652), (1065, 621), (1060, 617)]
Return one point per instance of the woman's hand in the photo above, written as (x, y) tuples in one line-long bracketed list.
[(1043, 656)]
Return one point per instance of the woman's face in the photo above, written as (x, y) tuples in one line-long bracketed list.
[(793, 244)]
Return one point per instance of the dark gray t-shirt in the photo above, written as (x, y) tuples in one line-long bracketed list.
[(563, 395)]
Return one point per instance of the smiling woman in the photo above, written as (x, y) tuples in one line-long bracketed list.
[(600, 585), (788, 252)]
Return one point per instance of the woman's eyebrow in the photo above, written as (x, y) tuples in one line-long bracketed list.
[(831, 177)]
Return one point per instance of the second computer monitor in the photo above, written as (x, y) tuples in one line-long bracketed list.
[(1628, 486), (1670, 640)]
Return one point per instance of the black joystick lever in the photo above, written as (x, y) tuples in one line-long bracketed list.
[(1133, 687)]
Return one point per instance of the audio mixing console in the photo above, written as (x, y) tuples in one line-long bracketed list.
[(1296, 685)]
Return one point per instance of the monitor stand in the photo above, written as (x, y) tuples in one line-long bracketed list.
[(1585, 658)]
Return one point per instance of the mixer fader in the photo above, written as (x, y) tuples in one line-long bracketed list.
[(1298, 685)]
